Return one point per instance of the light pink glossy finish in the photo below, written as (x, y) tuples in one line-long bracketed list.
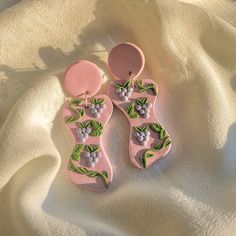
[(82, 76), (125, 58), (93, 184), (135, 149)]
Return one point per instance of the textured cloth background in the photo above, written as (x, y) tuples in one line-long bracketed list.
[(190, 50)]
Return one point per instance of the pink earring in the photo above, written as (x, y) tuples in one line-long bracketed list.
[(86, 116), (136, 98)]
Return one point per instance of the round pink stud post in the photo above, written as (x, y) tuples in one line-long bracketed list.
[(86, 116), (136, 98)]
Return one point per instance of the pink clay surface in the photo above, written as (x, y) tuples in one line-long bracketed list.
[(125, 58), (126, 61), (93, 184), (135, 149), (82, 76)]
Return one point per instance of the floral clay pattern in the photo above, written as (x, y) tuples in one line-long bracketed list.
[(89, 166), (149, 141)]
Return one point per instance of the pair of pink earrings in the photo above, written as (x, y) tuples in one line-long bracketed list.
[(86, 115)]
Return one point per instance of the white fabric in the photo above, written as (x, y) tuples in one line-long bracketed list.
[(190, 49)]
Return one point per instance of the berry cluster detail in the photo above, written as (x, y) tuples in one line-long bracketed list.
[(97, 107), (90, 128), (143, 107), (142, 135), (92, 155), (124, 90), (83, 131)]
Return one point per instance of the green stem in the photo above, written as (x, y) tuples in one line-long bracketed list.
[(158, 147), (104, 178), (145, 157), (90, 173), (73, 108)]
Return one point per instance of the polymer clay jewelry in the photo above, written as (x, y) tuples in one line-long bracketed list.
[(136, 98), (85, 117)]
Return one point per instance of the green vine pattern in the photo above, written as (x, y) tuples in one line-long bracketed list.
[(75, 156), (78, 113), (90, 173), (164, 137), (126, 84), (131, 111), (144, 88)]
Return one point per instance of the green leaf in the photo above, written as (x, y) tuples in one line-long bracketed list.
[(145, 128), (81, 112), (93, 174), (154, 90), (167, 142), (162, 134), (158, 146), (140, 83), (73, 167), (89, 148), (87, 125), (96, 133), (75, 101), (96, 148), (144, 100), (148, 155), (98, 127), (144, 158), (96, 124), (105, 174), (83, 170), (94, 100), (144, 162), (139, 102), (155, 127), (100, 101), (75, 156), (134, 115), (81, 125), (131, 112), (70, 119), (130, 108), (127, 84), (119, 85), (138, 128), (142, 90), (78, 148)]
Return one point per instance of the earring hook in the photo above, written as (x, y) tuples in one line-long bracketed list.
[(85, 98), (132, 77)]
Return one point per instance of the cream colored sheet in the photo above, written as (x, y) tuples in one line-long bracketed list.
[(190, 49)]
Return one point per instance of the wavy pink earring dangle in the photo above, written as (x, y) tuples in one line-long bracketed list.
[(86, 116), (136, 98)]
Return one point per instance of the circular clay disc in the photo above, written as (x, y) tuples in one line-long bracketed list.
[(82, 77), (126, 60)]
